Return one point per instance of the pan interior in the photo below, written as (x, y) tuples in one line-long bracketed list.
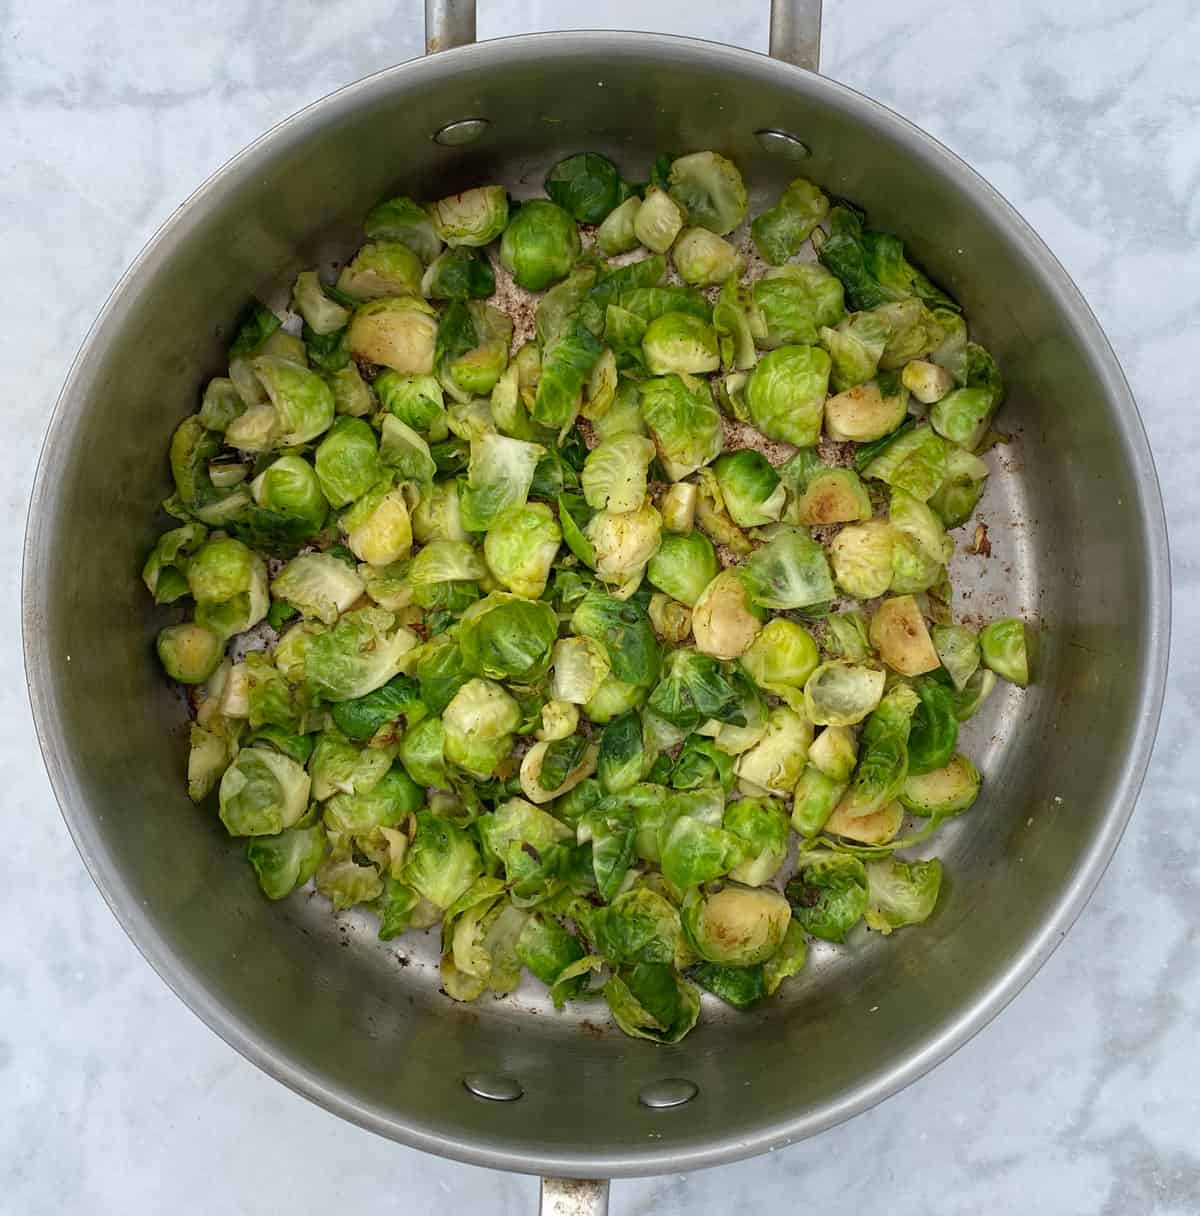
[(359, 1024)]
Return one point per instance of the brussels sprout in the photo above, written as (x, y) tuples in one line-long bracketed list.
[(709, 189), (321, 314), (781, 657), (704, 259), (694, 689), (209, 755), (701, 763), (221, 569), (580, 667), (866, 412), (882, 755), (828, 895), (678, 342), (499, 477), (222, 403), (286, 862), (399, 332), (405, 453), (554, 767), (472, 350), (365, 716), (957, 496), (775, 763), (737, 925), (347, 461), (618, 232), (262, 792), (790, 571), (445, 572), (745, 727), (166, 567), (613, 698), (678, 509), (816, 797), (834, 752), (683, 567), (944, 791), (458, 274), (914, 461), (601, 388), (379, 270), (559, 720), (400, 219), (625, 633), (839, 693), (290, 487), (779, 232), (302, 405), (474, 217), (614, 474), (763, 828), (963, 416), (791, 305), (913, 331), (506, 637), (658, 221), (832, 496), (623, 759), (861, 555), (520, 548), (422, 752), (914, 520), (338, 766), (734, 336), (724, 618), (650, 1001), (855, 347), (479, 722), (958, 649), (934, 731), (1005, 649), (566, 368), (786, 394), (899, 633), (901, 893), (741, 987), (378, 528), (540, 244), (442, 860), (623, 543), (345, 882), (359, 654), (684, 423), (846, 637), (926, 381), (672, 620), (352, 396), (547, 950), (750, 488), (189, 653), (587, 185), (693, 850), (416, 400)]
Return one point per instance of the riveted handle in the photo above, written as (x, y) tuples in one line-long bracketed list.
[(795, 29)]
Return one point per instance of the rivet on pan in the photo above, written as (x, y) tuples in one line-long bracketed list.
[(466, 131), (670, 1091), (780, 143), (493, 1086)]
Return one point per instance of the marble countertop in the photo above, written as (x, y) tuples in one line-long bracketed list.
[(115, 1098)]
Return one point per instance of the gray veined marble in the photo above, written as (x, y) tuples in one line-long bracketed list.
[(1083, 1096)]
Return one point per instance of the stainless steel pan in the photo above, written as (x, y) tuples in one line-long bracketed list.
[(359, 1026)]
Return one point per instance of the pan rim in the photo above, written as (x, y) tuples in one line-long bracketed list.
[(234, 1028)]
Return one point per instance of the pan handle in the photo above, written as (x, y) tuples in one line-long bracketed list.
[(574, 1197), (795, 29)]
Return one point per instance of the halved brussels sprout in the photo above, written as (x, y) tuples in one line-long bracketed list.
[(166, 567), (834, 752), (816, 797), (473, 217), (899, 633), (958, 649), (957, 496), (724, 619), (875, 828), (832, 496), (882, 756), (625, 632), (540, 244), (943, 791), (347, 461), (381, 269), (551, 768), (683, 566), (681, 343), (781, 657), (520, 548), (684, 423), (587, 185), (499, 477), (505, 637), (736, 925), (1005, 649), (846, 637), (400, 219), (750, 488), (710, 190), (786, 394), (866, 412), (417, 400), (732, 323), (861, 555), (963, 416), (704, 259), (301, 400), (901, 893), (442, 861), (189, 653), (839, 693), (694, 688), (363, 651), (614, 473), (791, 305), (790, 571), (321, 314), (658, 221), (855, 347), (763, 828), (580, 668), (649, 1001), (458, 274), (613, 698), (780, 231), (678, 507), (672, 620), (914, 461), (624, 542), (399, 332), (926, 381), (378, 528), (290, 488), (775, 763), (618, 232), (828, 895), (479, 723), (262, 792)]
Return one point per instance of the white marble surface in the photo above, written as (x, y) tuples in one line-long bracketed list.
[(1082, 1097)]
